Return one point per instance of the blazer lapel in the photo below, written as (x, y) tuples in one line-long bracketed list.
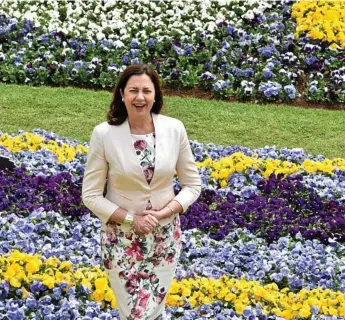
[(132, 162), (158, 144)]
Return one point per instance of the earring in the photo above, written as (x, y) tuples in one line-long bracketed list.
[(123, 100), (154, 100)]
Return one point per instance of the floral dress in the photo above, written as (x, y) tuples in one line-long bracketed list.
[(141, 268)]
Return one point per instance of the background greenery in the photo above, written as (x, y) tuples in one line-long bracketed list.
[(73, 112)]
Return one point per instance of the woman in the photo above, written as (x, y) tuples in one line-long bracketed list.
[(135, 153)]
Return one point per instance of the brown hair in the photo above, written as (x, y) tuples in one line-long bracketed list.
[(118, 112)]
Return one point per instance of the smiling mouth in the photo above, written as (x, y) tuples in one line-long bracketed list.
[(139, 106)]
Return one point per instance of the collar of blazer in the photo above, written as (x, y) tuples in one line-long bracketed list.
[(127, 144)]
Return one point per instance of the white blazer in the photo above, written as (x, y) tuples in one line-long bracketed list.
[(112, 160)]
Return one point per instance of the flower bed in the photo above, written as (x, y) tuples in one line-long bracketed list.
[(52, 234), (238, 162), (262, 246), (241, 293), (22, 193), (251, 50), (284, 206), (292, 262)]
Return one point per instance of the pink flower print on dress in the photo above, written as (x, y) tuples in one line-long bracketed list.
[(140, 145), (143, 275), (161, 295), (159, 248), (177, 234), (137, 313), (144, 297), (153, 279), (111, 237), (149, 205), (132, 283), (143, 280), (170, 258), (134, 251), (148, 172), (108, 264), (156, 262)]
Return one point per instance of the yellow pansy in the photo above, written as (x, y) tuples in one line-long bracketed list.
[(321, 20), (244, 293), (33, 266), (25, 293), (101, 284), (52, 261), (49, 281), (220, 170), (240, 293), (14, 282), (98, 295), (51, 272), (33, 142), (67, 265)]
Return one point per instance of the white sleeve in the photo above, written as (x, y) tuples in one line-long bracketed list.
[(94, 180), (187, 173)]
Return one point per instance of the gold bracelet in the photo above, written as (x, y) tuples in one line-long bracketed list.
[(128, 218), (171, 210)]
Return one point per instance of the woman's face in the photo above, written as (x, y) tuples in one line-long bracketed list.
[(138, 96)]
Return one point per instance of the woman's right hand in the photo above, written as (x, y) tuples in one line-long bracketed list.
[(144, 224)]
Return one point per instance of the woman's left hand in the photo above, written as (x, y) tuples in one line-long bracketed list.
[(158, 214)]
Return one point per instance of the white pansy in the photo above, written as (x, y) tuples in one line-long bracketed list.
[(109, 3), (30, 16), (118, 44), (223, 2), (188, 16), (100, 35), (63, 30), (211, 27), (142, 34), (124, 37), (16, 14), (249, 15), (89, 35), (64, 51)]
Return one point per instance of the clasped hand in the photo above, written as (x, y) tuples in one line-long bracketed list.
[(144, 224)]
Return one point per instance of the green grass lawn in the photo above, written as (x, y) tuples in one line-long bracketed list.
[(73, 112)]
